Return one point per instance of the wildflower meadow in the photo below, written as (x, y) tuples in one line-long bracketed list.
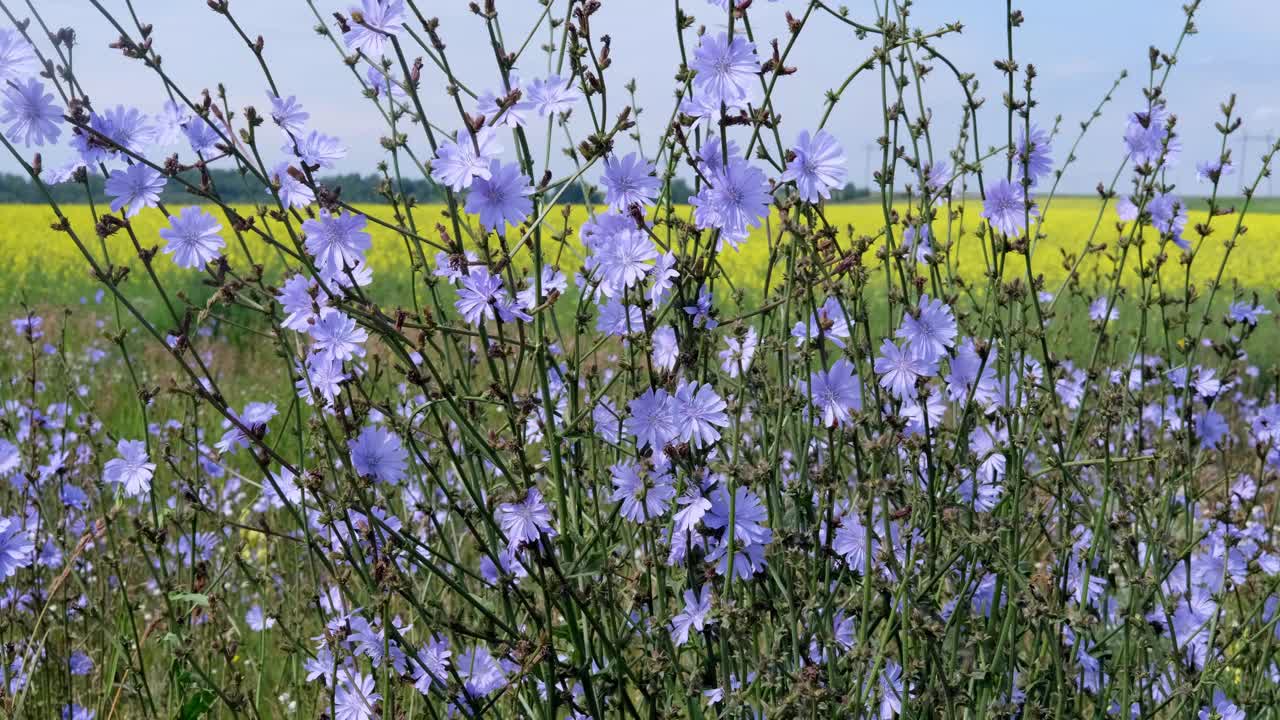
[(604, 409)]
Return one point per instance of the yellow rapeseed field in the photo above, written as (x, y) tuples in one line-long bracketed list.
[(43, 266)]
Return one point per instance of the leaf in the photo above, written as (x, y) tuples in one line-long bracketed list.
[(194, 598), (196, 705), (171, 641)]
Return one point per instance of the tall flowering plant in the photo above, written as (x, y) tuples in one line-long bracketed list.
[(580, 469)]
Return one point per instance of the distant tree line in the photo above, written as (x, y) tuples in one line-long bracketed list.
[(355, 188)]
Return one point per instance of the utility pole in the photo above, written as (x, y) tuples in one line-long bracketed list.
[(866, 166), (1245, 139)]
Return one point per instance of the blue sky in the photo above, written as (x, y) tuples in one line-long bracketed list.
[(1078, 48)]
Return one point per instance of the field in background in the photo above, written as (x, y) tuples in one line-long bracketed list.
[(45, 270), (43, 266)]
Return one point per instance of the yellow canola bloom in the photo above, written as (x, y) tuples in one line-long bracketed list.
[(33, 250)]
